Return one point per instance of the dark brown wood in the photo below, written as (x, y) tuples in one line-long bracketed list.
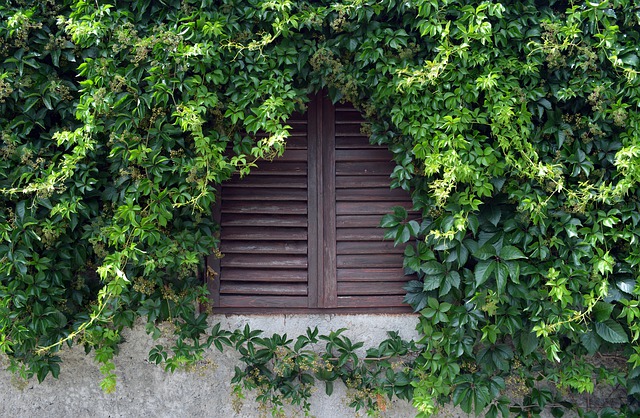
[(369, 260), (364, 289), (360, 234), (379, 208), (277, 208), (372, 275), (264, 233), (264, 275), (294, 182), (212, 264), (261, 303), (345, 142), (358, 155), (314, 256), (358, 221), (375, 247), (363, 168), (291, 154), (300, 233), (329, 283), (378, 301), (263, 261), (264, 247), (370, 194), (354, 182), (256, 220), (265, 194), (285, 168), (283, 289)]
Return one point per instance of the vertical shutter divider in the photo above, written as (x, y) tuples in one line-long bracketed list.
[(328, 200), (314, 227), (213, 262)]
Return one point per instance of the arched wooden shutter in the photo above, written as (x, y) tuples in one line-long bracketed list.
[(301, 232)]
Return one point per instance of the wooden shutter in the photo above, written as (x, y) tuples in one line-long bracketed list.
[(264, 232), (301, 233), (369, 270)]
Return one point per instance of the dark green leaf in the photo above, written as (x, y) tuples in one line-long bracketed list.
[(612, 332)]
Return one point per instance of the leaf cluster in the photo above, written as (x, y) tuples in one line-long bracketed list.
[(515, 127)]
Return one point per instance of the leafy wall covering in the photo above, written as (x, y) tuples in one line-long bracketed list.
[(515, 126)]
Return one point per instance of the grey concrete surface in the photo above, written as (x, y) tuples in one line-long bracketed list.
[(145, 390)]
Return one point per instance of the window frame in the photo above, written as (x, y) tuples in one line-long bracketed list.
[(322, 278)]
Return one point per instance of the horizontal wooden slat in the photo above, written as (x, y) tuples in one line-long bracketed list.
[(263, 261), (377, 288), (369, 208), (258, 220), (344, 182), (263, 247), (369, 260), (264, 233), (346, 142), (265, 194), (364, 301), (264, 275), (362, 169), (373, 275), (371, 155), (293, 208), (297, 140), (228, 301), (359, 247), (371, 194), (292, 182), (241, 288), (289, 155), (358, 221), (284, 168), (360, 234), (349, 128)]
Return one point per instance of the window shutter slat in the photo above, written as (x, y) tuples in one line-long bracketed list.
[(264, 231), (369, 270)]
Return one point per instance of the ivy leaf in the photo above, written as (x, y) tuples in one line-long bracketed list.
[(502, 272), (433, 268), (20, 209), (528, 342), (389, 221), (485, 252), (328, 387), (452, 279), (612, 332), (483, 271), (509, 252), (602, 311), (626, 285), (590, 341), (431, 283)]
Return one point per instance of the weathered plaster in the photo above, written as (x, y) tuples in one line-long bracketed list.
[(145, 390)]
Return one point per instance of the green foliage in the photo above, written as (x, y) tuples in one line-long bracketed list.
[(284, 372), (514, 125)]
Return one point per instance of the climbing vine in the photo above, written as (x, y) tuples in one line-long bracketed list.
[(514, 125)]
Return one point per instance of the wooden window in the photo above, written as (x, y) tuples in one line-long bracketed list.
[(301, 233)]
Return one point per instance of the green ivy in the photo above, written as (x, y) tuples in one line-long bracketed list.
[(514, 125)]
